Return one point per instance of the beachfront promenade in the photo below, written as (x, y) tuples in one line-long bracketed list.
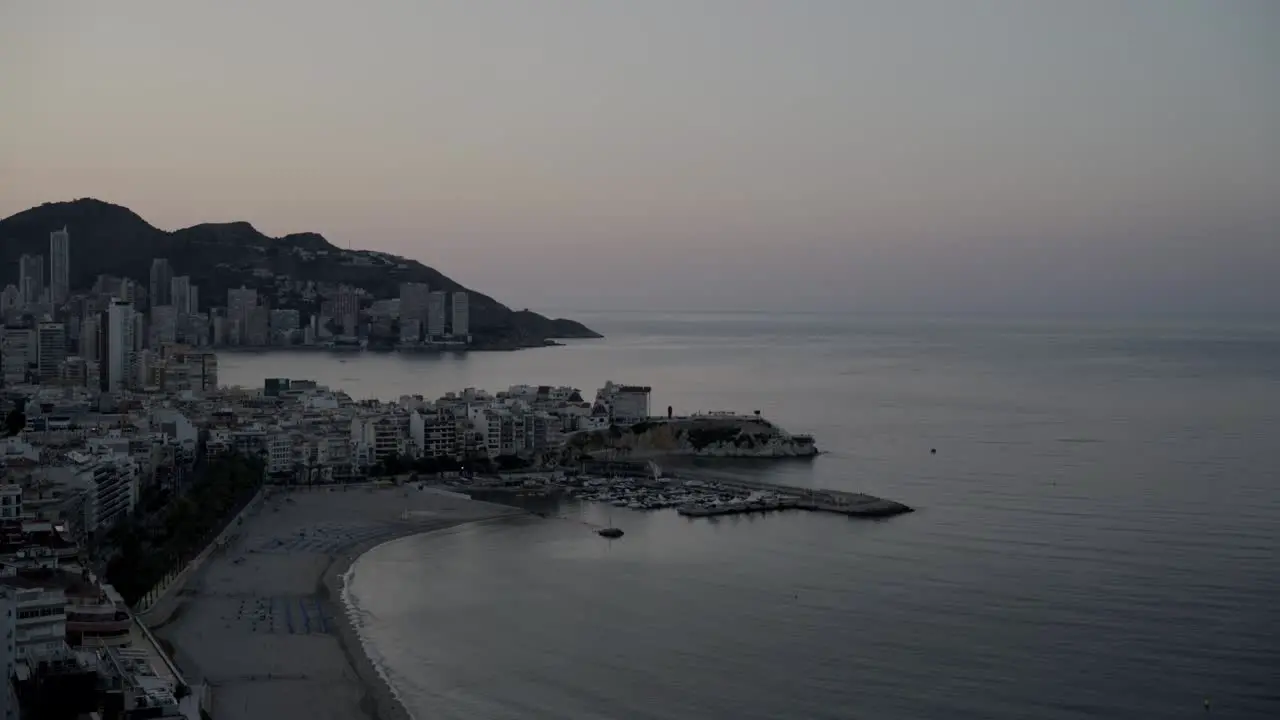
[(262, 620)]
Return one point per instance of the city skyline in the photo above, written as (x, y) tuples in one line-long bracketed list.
[(105, 337)]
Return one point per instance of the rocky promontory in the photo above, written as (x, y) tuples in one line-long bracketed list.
[(726, 436), (107, 239)]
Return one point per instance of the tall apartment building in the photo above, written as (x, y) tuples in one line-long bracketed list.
[(461, 326), (180, 292), (138, 333), (31, 278), (112, 484), (436, 313), (347, 307), (414, 298), (161, 289), (51, 349), (240, 303), (115, 343), (258, 332), (59, 266), (128, 290), (164, 325)]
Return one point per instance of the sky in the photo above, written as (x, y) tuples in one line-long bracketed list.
[(894, 155)]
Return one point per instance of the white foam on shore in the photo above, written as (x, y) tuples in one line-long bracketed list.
[(356, 616)]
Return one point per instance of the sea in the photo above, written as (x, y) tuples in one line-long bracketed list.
[(1096, 535)]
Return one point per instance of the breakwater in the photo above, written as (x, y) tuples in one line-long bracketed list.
[(863, 506), (767, 497)]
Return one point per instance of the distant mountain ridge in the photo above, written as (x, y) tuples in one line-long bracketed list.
[(113, 240)]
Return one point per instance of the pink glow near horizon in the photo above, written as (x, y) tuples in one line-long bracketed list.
[(879, 155)]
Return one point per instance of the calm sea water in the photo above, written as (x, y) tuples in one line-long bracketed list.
[(1098, 535)]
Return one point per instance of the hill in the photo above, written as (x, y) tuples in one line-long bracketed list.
[(114, 240)]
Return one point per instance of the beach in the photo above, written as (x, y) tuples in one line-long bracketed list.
[(263, 620)]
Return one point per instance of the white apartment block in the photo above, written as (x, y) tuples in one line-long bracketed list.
[(280, 456), (39, 618), (624, 404), (378, 436), (434, 434)]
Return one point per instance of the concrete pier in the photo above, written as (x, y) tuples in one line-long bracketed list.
[(799, 498), (870, 507)]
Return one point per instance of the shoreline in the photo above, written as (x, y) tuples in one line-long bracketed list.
[(265, 621), (427, 351), (380, 701)]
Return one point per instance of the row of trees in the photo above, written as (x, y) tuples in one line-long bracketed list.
[(147, 548)]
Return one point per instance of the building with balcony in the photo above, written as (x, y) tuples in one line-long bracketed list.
[(111, 485), (624, 404), (39, 613), (280, 457), (376, 437)]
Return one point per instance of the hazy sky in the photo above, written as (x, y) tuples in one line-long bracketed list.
[(895, 155)]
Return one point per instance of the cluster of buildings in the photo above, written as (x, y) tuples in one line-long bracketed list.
[(430, 317), (112, 395), (310, 433), (70, 644), (84, 460), (115, 335)]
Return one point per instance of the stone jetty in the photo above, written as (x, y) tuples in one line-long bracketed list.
[(768, 497), (853, 506)]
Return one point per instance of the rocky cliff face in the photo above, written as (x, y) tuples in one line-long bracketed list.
[(712, 436)]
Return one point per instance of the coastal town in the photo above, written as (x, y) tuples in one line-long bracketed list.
[(133, 484), (89, 475)]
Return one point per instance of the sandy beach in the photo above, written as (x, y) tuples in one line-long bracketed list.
[(263, 620)]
